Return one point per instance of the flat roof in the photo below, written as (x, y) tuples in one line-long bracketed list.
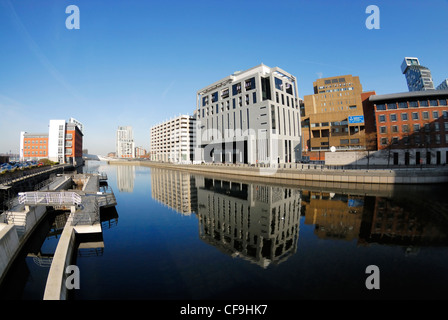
[(410, 95)]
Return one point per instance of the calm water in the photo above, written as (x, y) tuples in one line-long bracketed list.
[(180, 236)]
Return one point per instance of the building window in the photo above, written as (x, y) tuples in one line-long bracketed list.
[(415, 116), (278, 84), (249, 84), (381, 118), (423, 103), (391, 106), (393, 117), (402, 105), (404, 117), (225, 93), (413, 104), (435, 114), (380, 107), (214, 96), (236, 89), (384, 141), (416, 127), (425, 115), (288, 88), (395, 140), (433, 103), (273, 126), (405, 128), (254, 97), (442, 102), (436, 126), (394, 129)]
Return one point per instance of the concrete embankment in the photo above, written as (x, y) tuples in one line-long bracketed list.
[(305, 172)]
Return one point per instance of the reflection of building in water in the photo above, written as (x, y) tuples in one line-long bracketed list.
[(125, 178), (335, 216), (176, 189), (256, 222), (404, 224)]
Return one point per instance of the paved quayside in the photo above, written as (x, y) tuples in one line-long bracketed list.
[(82, 195)]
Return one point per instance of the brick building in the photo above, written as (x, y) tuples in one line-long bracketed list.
[(412, 127)]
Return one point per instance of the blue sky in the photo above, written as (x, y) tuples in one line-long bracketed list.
[(139, 63)]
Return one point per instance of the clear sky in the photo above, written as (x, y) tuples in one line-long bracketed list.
[(139, 63)]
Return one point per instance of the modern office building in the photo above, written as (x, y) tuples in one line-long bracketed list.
[(443, 85), (174, 140), (63, 143), (125, 142), (249, 117), (412, 127), (418, 77), (33, 146), (333, 116)]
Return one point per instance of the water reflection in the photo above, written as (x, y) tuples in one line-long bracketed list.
[(125, 178), (175, 189), (335, 216), (255, 222), (260, 222)]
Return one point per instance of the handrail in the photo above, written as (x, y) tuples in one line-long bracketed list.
[(49, 198)]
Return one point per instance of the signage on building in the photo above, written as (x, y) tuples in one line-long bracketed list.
[(356, 119)]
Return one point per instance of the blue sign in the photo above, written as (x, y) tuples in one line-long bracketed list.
[(356, 119)]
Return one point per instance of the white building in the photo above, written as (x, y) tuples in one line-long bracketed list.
[(125, 142), (56, 140), (249, 117), (174, 140)]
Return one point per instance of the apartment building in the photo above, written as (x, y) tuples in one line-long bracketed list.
[(174, 140), (33, 146), (251, 117), (63, 143), (125, 142), (412, 127), (418, 77), (333, 116)]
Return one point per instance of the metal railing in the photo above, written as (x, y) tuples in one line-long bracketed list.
[(49, 198), (85, 216)]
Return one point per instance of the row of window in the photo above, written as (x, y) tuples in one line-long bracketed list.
[(414, 115), (35, 147), (35, 152), (249, 85), (434, 127), (34, 141), (411, 104), (415, 139)]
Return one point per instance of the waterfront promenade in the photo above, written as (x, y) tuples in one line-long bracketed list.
[(310, 172)]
